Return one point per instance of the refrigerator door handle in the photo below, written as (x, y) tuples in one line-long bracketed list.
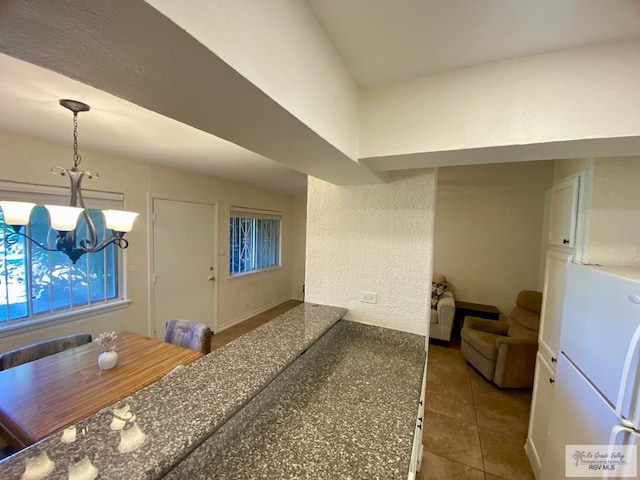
[(615, 431), (624, 381)]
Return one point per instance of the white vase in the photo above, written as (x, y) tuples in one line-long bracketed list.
[(107, 360)]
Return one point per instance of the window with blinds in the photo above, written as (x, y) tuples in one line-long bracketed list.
[(254, 240)]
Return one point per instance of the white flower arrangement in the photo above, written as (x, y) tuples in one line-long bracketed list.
[(107, 341)]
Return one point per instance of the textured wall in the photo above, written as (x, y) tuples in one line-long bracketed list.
[(613, 229), (488, 230), (26, 160), (373, 238), (299, 240)]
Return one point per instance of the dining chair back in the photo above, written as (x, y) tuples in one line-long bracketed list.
[(35, 351), (189, 334)]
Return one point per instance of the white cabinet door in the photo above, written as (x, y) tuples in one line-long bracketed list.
[(564, 213), (416, 452), (541, 403), (552, 304)]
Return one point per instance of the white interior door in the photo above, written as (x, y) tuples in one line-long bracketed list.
[(184, 236)]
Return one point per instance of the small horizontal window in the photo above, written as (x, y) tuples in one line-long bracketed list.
[(254, 241)]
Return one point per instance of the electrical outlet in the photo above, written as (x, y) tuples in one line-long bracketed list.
[(368, 297)]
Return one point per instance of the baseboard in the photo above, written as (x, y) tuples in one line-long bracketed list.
[(241, 319)]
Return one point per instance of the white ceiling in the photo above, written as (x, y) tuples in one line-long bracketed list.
[(386, 41), (380, 41), (115, 126)]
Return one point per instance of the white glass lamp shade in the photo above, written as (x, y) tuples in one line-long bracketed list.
[(63, 219), (16, 213), (119, 220)]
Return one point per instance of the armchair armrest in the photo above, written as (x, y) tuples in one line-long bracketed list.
[(516, 362), (516, 341), (489, 326), (446, 309)]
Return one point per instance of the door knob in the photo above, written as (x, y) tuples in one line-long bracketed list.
[(211, 278), (565, 241)]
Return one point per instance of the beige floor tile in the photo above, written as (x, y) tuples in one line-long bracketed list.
[(505, 414), (450, 400), (435, 467), (488, 476), (482, 386), (442, 374), (453, 439), (504, 455), (453, 354)]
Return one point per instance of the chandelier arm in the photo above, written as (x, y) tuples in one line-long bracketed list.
[(66, 244), (76, 200), (118, 240), (31, 239)]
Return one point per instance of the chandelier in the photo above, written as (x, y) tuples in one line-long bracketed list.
[(65, 219)]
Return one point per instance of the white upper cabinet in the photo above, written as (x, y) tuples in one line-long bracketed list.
[(564, 213)]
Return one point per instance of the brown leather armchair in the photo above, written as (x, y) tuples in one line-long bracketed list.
[(505, 352)]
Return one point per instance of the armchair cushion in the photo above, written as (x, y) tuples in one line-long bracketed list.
[(490, 326), (483, 342), (517, 331)]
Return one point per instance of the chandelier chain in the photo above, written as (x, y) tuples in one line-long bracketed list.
[(76, 156)]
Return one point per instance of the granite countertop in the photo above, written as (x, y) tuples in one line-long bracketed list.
[(346, 409), (145, 434)]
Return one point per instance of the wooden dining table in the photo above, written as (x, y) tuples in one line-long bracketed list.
[(44, 396)]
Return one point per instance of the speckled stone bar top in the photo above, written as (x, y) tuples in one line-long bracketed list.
[(145, 434), (346, 409)]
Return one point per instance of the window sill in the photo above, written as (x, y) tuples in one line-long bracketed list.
[(62, 317), (254, 272)]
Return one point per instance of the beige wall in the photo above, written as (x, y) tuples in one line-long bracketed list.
[(373, 238), (534, 101), (28, 160), (488, 230)]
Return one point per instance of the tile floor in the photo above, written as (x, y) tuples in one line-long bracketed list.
[(473, 430)]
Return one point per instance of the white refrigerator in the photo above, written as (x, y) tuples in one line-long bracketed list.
[(597, 379)]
